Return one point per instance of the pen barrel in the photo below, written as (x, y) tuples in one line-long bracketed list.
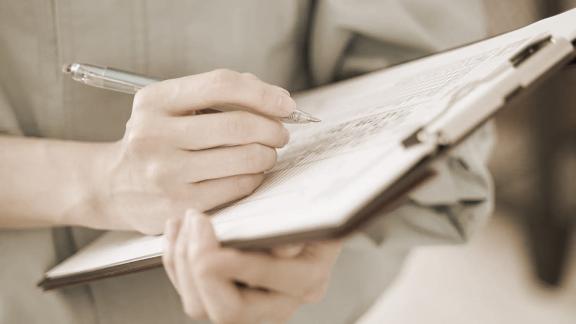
[(128, 82), (107, 78)]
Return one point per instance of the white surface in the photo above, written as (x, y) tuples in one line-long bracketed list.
[(489, 280)]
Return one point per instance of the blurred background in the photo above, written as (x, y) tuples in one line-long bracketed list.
[(522, 267)]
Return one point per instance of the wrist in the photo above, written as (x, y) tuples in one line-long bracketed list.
[(88, 192), (47, 182)]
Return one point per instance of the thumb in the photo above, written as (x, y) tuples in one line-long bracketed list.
[(200, 230)]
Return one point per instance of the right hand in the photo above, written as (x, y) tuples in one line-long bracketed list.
[(171, 159)]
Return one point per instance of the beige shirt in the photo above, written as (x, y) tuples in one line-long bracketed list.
[(290, 43)]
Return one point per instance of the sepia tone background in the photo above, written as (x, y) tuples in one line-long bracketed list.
[(522, 267)]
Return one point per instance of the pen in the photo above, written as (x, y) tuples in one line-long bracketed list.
[(121, 81)]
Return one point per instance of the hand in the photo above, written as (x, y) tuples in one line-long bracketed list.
[(171, 159), (230, 286)]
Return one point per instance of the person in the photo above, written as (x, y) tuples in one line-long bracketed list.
[(76, 160)]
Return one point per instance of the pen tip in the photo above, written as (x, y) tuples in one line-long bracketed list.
[(307, 117), (300, 117)]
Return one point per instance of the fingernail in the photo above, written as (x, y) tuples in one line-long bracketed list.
[(294, 250), (285, 91), (288, 251), (286, 104)]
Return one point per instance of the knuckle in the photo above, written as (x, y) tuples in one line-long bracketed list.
[(171, 92), (221, 77), (142, 97), (132, 125), (138, 135), (135, 129), (135, 144), (147, 96), (250, 76)]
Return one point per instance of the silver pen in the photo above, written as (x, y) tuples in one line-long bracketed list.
[(122, 81)]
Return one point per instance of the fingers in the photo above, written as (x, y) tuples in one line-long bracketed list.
[(214, 295), (221, 298), (224, 162), (302, 278), (223, 302), (154, 163), (213, 193), (225, 129), (216, 89), (191, 239)]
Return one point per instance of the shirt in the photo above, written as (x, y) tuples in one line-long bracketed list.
[(294, 44)]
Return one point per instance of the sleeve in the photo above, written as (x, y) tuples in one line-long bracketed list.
[(449, 209), (8, 122), (354, 37)]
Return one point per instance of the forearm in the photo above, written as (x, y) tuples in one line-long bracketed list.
[(47, 182)]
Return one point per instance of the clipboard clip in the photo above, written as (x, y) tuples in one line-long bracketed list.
[(424, 135), (530, 49)]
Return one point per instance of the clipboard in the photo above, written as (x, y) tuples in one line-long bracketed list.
[(467, 109)]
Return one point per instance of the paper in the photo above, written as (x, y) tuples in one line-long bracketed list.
[(325, 164), (331, 169)]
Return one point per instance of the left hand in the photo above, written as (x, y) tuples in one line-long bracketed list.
[(226, 285)]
